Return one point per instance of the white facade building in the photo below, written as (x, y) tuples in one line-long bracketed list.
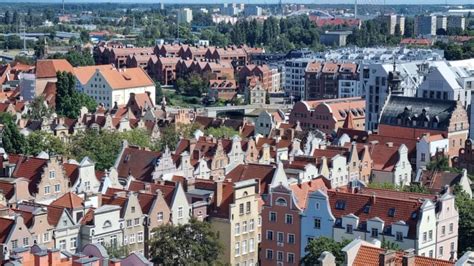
[(426, 148), (295, 70), (185, 15)]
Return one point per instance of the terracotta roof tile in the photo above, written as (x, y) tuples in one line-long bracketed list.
[(5, 227), (264, 173), (301, 191), (54, 214), (47, 68), (127, 78), (69, 200), (137, 162)]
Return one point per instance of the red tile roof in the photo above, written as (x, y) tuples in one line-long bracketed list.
[(54, 214), (264, 174), (301, 191), (7, 188), (5, 227), (69, 200), (47, 68), (31, 169), (72, 172), (137, 162)]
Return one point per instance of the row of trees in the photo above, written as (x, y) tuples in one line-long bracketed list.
[(453, 51), (69, 100)]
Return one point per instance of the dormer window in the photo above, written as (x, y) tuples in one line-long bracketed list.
[(366, 208), (391, 212), (340, 205)]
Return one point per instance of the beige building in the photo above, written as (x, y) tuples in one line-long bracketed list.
[(237, 221), (392, 22)]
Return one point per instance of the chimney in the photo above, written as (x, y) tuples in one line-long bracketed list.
[(409, 258), (147, 187), (372, 198), (115, 262), (388, 258), (41, 258), (219, 186), (54, 256)]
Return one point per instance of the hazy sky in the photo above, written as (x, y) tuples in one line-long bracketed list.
[(415, 2)]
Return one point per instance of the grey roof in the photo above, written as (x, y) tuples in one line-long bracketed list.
[(418, 112)]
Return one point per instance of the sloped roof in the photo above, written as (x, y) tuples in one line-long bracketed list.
[(127, 78), (69, 200), (85, 73), (137, 162), (264, 173), (5, 227), (301, 191), (47, 68)]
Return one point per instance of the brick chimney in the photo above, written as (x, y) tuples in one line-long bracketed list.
[(54, 256), (219, 187), (373, 198), (41, 258), (388, 258), (115, 262)]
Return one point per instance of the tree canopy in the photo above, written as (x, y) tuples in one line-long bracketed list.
[(221, 132), (75, 58), (12, 140), (188, 244), (317, 246), (69, 101), (465, 206)]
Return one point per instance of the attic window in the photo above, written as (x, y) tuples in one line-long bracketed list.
[(107, 224), (414, 215), (338, 221), (391, 212), (280, 202), (127, 158), (340, 205), (367, 208)]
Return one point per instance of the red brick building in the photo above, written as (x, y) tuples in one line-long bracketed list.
[(262, 72)]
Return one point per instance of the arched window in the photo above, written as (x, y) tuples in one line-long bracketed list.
[(107, 224), (280, 202)]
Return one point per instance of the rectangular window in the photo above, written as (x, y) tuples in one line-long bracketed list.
[(160, 216), (132, 239), (425, 236), (441, 251), (237, 249), (269, 235), (133, 209), (137, 221), (349, 228), (52, 174), (451, 228), (452, 246), (45, 237), (399, 236), (317, 223), (431, 253), (57, 188), (46, 190), (279, 256), (241, 208), (272, 217), (443, 230), (430, 235), (244, 227), (26, 242), (62, 244), (129, 223), (180, 212), (73, 243), (251, 245), (269, 254), (375, 232), (237, 229), (244, 247), (251, 225), (140, 237), (280, 237), (14, 244), (291, 258), (291, 238), (248, 207), (289, 219)]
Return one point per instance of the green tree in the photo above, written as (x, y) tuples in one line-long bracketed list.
[(387, 244), (194, 243), (68, 100), (38, 109), (169, 137), (38, 141), (321, 244), (115, 252), (12, 140), (137, 137), (465, 206), (75, 58), (221, 132), (101, 146)]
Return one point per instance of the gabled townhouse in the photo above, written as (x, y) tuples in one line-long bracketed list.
[(13, 235), (60, 231), (103, 225), (412, 221), (390, 164), (179, 208), (194, 52), (165, 70), (82, 176), (266, 122), (442, 181), (281, 219), (328, 115), (132, 216), (262, 72), (410, 118), (428, 147), (168, 50), (235, 218), (46, 178), (136, 162)]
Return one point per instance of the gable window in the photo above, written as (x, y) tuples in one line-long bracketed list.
[(133, 209), (137, 221), (180, 212), (47, 190), (430, 235), (280, 202), (317, 223), (423, 155), (129, 223), (26, 242), (52, 174), (57, 188), (14, 244), (289, 219), (45, 237), (160, 216), (375, 233), (107, 224)]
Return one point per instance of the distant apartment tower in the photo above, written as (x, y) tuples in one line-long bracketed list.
[(425, 25), (456, 22), (441, 22), (253, 11), (185, 15), (392, 22), (295, 70)]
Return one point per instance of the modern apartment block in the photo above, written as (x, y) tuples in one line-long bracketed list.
[(425, 25), (393, 21)]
